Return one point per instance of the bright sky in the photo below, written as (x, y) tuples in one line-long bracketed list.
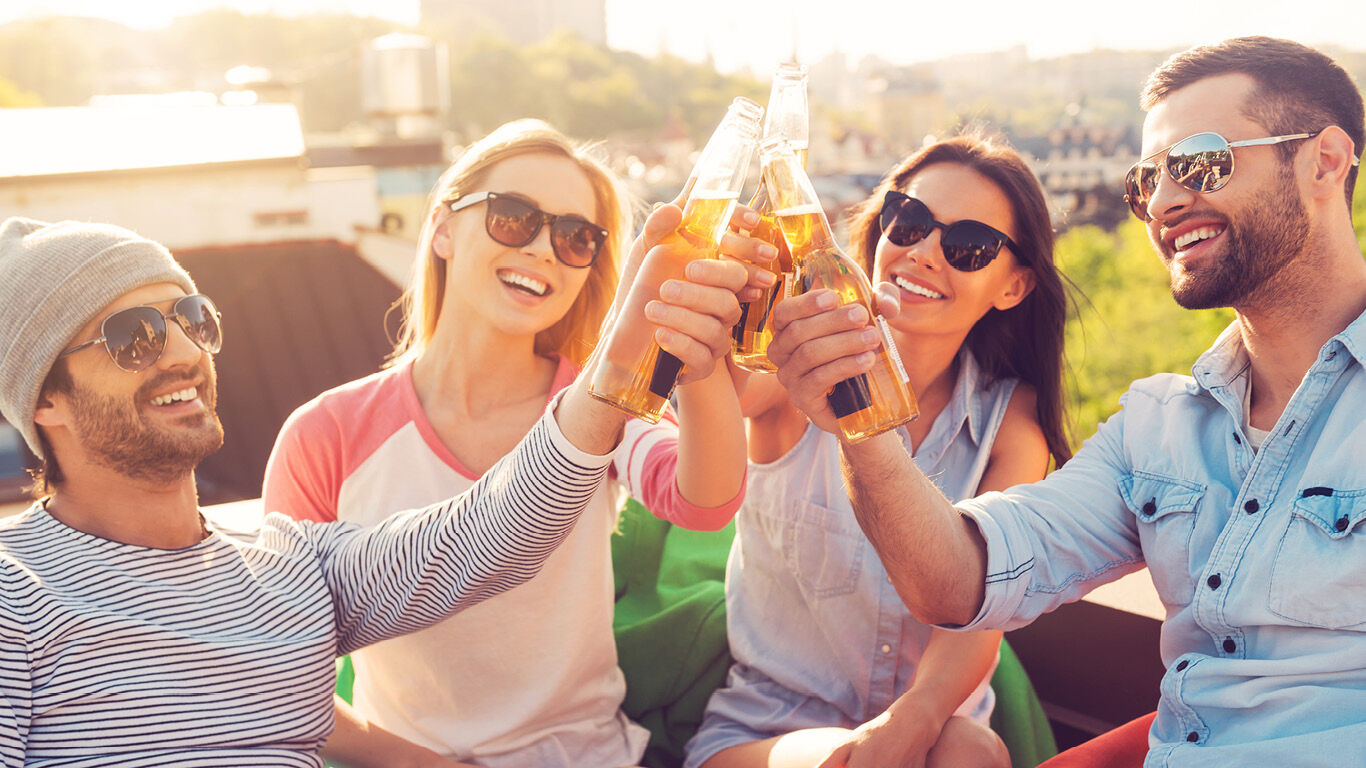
[(760, 33)]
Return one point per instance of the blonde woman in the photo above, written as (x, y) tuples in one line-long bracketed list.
[(516, 267)]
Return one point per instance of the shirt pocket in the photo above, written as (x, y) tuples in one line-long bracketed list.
[(1321, 563), (1165, 508), (825, 551)]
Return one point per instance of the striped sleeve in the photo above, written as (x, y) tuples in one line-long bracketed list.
[(16, 703), (420, 566)]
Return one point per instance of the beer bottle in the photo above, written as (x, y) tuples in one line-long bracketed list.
[(632, 372), (871, 402), (787, 118)]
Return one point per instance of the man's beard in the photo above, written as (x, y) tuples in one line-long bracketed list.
[(115, 435), (1260, 239)]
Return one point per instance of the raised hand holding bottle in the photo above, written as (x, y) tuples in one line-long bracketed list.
[(630, 371), (869, 403)]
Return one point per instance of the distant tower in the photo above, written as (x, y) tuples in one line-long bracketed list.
[(520, 21)]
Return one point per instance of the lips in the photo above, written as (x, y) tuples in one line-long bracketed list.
[(520, 281), (1190, 233), (179, 396), (915, 288)]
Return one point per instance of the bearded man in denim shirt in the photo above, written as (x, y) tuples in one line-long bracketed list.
[(1241, 487)]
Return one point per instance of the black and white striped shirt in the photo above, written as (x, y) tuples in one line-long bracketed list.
[(221, 654)]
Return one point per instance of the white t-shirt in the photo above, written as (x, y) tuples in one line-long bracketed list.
[(529, 678)]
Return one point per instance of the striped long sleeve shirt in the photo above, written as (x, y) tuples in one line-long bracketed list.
[(221, 654)]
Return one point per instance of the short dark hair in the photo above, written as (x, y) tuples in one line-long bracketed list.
[(48, 474), (1025, 341), (1299, 89)]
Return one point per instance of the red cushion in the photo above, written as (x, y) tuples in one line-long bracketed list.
[(1124, 747)]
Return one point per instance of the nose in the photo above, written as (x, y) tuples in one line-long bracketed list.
[(180, 349), (928, 251), (540, 245), (1169, 198)]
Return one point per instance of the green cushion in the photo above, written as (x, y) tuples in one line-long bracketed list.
[(670, 625), (1019, 718)]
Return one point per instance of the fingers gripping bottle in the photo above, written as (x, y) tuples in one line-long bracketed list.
[(872, 402), (787, 117), (632, 372)]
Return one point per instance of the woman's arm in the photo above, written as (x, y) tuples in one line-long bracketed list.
[(359, 743)]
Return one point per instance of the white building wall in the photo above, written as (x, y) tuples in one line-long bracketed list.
[(207, 206)]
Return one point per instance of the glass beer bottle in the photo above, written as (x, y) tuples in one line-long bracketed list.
[(872, 402), (632, 372), (787, 118)]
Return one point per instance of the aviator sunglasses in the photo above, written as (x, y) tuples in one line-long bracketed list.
[(968, 245), (135, 337), (1201, 163), (514, 222)]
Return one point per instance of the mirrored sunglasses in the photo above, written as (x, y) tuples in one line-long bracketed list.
[(1201, 163), (135, 337)]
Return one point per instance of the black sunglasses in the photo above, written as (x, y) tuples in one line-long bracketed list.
[(514, 222), (968, 244), (1201, 163), (135, 337)]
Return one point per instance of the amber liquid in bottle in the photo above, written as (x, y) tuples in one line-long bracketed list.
[(753, 333), (641, 384), (872, 402)]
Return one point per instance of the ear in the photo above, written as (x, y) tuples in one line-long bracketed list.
[(1333, 161), (51, 410), (441, 236), (1017, 287)]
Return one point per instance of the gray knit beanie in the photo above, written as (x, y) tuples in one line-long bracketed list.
[(54, 278)]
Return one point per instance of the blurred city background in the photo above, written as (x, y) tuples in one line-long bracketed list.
[(286, 158)]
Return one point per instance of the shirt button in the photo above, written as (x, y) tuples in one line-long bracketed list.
[(1341, 524), (1192, 737), (1252, 506), (1214, 581), (1237, 439), (1149, 506), (1229, 645), (886, 648), (1182, 665)]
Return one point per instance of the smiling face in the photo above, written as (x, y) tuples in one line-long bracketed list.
[(156, 424), (1221, 248), (936, 298), (517, 291)]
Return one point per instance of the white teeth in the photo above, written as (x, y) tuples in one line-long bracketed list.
[(916, 289), (176, 397), (522, 281), (1195, 236)]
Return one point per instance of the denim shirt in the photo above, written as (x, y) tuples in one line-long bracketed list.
[(819, 635), (1259, 557)]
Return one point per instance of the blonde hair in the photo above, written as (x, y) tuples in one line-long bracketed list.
[(574, 335)]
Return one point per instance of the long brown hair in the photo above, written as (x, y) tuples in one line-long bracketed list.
[(575, 334), (1025, 341)]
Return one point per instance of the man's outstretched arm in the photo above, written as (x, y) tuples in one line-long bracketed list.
[(935, 556)]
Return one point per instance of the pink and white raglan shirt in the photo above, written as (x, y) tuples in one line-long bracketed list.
[(528, 678)]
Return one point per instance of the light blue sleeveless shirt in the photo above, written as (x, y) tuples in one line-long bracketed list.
[(819, 635)]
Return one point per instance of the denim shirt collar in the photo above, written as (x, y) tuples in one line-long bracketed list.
[(1227, 359)]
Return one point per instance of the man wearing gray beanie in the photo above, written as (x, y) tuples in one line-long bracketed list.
[(132, 631)]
